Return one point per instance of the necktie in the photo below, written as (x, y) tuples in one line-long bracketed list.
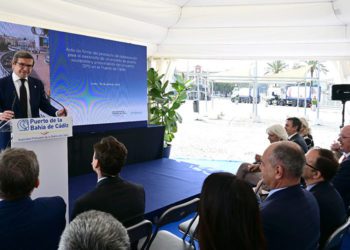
[(23, 99), (342, 158)]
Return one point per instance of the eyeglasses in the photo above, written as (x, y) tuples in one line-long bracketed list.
[(310, 166), (343, 137), (23, 65)]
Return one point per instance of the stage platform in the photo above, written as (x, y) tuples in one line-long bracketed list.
[(166, 181)]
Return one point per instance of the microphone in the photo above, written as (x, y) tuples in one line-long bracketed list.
[(60, 104), (13, 102), (3, 123)]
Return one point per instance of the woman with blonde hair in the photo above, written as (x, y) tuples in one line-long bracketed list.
[(305, 132), (251, 172)]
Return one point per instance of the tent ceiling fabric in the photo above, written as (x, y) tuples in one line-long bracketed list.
[(221, 29)]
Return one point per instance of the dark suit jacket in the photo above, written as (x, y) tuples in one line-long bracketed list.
[(38, 100), (32, 224), (291, 220), (341, 181), (124, 200), (332, 212), (309, 140), (298, 139)]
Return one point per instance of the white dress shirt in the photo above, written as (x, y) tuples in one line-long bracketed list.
[(18, 83)]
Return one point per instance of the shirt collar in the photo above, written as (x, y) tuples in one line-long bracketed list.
[(274, 191), (308, 187), (346, 155), (100, 179), (16, 77), (289, 137), (105, 177)]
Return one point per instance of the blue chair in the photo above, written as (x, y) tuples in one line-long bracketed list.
[(334, 241)]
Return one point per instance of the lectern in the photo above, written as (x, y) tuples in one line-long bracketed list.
[(47, 137)]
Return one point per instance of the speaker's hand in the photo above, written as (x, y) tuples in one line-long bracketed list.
[(6, 115)]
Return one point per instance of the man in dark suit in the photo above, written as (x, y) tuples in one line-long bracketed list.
[(22, 96), (341, 180), (292, 127), (319, 169), (124, 200), (26, 223), (290, 215), (12, 104)]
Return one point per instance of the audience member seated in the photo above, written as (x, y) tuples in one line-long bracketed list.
[(319, 169), (290, 214), (251, 172), (26, 223), (293, 126), (305, 132), (341, 180), (94, 230), (338, 153), (124, 200), (229, 215)]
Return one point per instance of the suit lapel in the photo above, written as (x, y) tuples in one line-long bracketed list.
[(294, 137), (33, 89), (12, 89)]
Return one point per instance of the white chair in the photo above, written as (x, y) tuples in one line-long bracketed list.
[(189, 227), (141, 230), (164, 240)]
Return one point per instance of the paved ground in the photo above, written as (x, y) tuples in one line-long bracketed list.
[(226, 131)]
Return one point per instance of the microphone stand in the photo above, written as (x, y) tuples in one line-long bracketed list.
[(60, 104), (343, 113)]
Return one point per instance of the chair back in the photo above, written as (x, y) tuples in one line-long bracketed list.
[(335, 240), (174, 214), (138, 231), (191, 230), (178, 212)]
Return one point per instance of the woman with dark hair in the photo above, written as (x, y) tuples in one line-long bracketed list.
[(229, 216)]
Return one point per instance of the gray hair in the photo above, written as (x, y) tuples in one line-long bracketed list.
[(19, 173), (22, 54), (94, 230), (279, 131), (290, 156)]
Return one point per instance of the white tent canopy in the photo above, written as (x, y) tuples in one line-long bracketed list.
[(221, 29)]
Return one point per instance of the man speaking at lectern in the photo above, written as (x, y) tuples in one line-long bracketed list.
[(22, 96)]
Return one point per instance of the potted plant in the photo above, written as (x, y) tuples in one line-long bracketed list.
[(164, 101)]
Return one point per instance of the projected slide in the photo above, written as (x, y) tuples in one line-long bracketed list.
[(100, 81)]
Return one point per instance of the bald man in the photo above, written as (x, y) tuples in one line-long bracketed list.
[(341, 180), (290, 214)]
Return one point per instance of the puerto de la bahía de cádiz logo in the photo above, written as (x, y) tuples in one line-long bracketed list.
[(23, 125)]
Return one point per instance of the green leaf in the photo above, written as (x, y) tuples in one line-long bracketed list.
[(164, 101)]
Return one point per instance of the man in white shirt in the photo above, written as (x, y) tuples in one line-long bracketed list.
[(22, 96)]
